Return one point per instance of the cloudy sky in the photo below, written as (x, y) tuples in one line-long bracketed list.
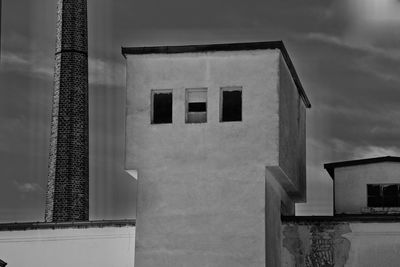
[(346, 52)]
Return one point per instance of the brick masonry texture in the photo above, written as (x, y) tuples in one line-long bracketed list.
[(67, 196)]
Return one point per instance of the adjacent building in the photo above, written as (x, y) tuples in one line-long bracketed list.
[(216, 136), (365, 228), (91, 243), (366, 186)]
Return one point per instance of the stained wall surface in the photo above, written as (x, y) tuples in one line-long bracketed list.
[(292, 135), (351, 184), (81, 247), (340, 244)]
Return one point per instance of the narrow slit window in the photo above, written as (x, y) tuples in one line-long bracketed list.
[(231, 104), (196, 105), (161, 106)]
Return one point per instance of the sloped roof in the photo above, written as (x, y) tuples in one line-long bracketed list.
[(330, 167), (224, 47)]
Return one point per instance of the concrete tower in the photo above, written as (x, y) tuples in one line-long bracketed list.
[(68, 176), (217, 137)]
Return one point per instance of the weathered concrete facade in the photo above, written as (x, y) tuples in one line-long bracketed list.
[(210, 194), (347, 241)]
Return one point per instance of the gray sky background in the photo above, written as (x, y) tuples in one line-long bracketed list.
[(346, 52)]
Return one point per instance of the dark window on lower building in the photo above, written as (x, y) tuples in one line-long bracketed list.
[(383, 195), (2, 263), (374, 195), (161, 106), (231, 104)]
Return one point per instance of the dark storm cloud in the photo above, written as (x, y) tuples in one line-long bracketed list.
[(358, 92)]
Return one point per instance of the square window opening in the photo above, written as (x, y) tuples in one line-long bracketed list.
[(161, 102), (231, 104), (196, 105)]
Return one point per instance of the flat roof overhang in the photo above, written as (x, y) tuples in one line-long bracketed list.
[(224, 47), (330, 167)]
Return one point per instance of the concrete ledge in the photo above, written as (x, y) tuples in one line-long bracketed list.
[(287, 184), (340, 218), (381, 210), (62, 225), (132, 173)]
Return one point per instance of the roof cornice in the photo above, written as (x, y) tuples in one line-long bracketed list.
[(224, 47), (330, 167)]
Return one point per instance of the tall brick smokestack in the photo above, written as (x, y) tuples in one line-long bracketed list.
[(0, 27), (67, 196)]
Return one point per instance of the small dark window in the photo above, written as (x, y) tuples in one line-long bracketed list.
[(231, 104), (161, 106), (383, 195), (374, 195), (196, 105)]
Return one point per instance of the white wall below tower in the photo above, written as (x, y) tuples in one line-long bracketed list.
[(102, 245)]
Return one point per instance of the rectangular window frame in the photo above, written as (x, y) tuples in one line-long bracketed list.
[(155, 91), (187, 113), (382, 197), (221, 101)]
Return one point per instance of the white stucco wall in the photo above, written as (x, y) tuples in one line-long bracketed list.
[(201, 187), (351, 184), (81, 247), (203, 199)]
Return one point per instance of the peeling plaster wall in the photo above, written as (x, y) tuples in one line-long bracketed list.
[(328, 244)]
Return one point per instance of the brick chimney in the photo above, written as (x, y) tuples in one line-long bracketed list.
[(0, 34), (67, 196)]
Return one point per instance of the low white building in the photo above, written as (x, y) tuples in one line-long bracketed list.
[(365, 228), (366, 186), (90, 243)]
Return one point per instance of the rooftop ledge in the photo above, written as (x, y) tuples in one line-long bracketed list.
[(224, 47), (341, 218), (21, 226), (330, 167)]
